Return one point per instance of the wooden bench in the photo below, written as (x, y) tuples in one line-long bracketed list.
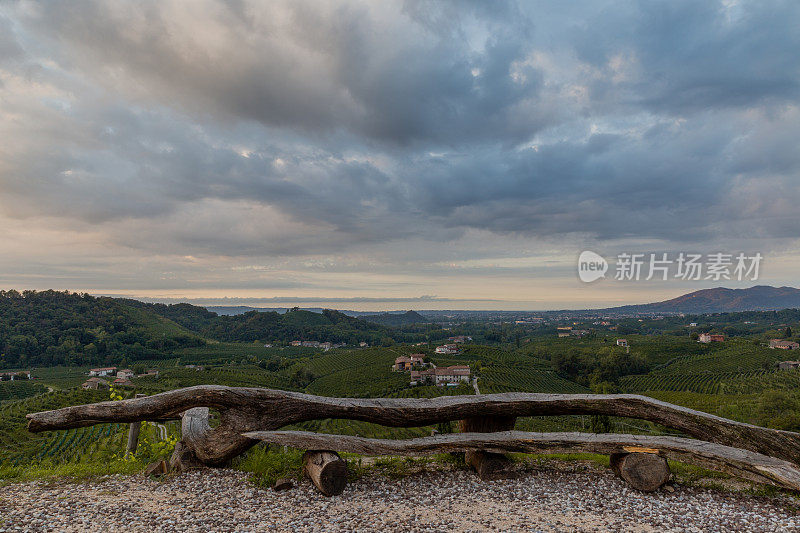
[(249, 415)]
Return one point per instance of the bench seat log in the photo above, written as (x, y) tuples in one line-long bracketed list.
[(742, 463), (253, 409)]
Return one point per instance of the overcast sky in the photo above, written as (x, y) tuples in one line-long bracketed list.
[(394, 154)]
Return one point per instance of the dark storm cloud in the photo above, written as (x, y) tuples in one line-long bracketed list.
[(700, 55), (322, 125)]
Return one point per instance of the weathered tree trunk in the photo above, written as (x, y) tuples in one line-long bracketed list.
[(643, 471), (250, 409), (214, 447), (488, 465), (326, 470), (183, 459), (742, 463)]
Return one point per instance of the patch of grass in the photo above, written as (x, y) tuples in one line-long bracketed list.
[(689, 474), (268, 464), (69, 471), (540, 459)]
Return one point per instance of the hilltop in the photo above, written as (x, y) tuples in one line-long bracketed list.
[(51, 328), (397, 319), (722, 300)]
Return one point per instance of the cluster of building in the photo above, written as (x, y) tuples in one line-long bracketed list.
[(423, 373), (710, 337), (460, 339), (15, 376), (324, 345), (781, 344), (447, 349), (568, 331), (122, 377), (408, 362)]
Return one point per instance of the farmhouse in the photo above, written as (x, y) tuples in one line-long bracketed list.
[(783, 345), (125, 373), (123, 382), (788, 365), (622, 342), (710, 337), (408, 362), (450, 376), (95, 383), (109, 371)]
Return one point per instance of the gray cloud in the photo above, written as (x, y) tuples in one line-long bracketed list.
[(297, 129)]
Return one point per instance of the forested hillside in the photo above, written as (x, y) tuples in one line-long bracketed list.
[(271, 326), (51, 328), (397, 319)]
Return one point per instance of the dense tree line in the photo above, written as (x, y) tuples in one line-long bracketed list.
[(296, 324), (599, 369), (50, 328)]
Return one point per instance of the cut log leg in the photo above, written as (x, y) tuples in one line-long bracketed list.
[(643, 471), (133, 434), (326, 470), (488, 465), (133, 437)]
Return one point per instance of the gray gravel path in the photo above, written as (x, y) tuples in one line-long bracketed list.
[(224, 500)]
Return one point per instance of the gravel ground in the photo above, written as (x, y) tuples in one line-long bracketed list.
[(224, 500)]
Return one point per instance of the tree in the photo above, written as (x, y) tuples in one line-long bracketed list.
[(788, 333)]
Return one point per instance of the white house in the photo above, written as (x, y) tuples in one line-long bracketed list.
[(448, 349), (109, 371), (125, 374)]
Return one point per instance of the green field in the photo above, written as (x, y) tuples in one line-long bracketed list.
[(15, 390)]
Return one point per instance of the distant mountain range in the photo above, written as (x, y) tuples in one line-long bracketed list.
[(722, 300), (718, 300)]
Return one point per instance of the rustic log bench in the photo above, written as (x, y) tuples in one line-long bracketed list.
[(250, 415)]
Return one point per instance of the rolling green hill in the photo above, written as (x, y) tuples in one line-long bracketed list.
[(51, 328), (270, 326)]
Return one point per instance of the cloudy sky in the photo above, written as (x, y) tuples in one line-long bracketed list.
[(393, 154)]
